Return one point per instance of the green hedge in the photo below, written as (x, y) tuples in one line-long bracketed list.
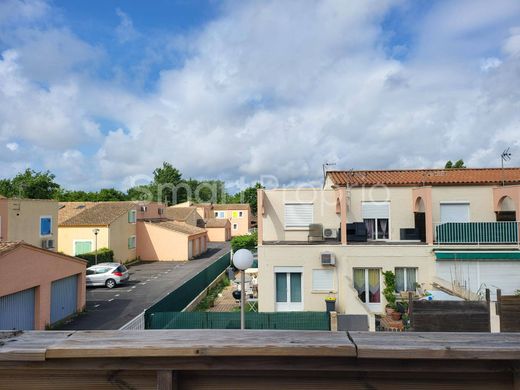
[(248, 241), (104, 255)]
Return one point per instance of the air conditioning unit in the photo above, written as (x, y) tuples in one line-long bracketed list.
[(47, 244), (328, 258), (330, 233)]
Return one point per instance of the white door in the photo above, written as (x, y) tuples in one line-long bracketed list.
[(454, 212), (289, 289)]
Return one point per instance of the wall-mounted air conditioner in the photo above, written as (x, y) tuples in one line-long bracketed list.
[(48, 244), (327, 258), (330, 233)]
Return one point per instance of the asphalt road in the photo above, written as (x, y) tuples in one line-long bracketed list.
[(112, 308)]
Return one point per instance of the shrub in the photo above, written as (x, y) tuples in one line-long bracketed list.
[(248, 241), (104, 255), (389, 291)]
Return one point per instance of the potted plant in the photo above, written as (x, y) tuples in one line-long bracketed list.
[(330, 303), (389, 291)]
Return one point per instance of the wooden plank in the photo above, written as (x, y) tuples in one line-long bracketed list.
[(28, 346), (495, 346), (204, 342), (164, 380)]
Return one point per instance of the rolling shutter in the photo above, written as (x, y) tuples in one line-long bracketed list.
[(323, 280), (299, 214), (454, 212), (64, 294), (372, 210)]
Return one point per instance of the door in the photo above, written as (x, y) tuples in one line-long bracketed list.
[(17, 310), (289, 290), (420, 224), (64, 298), (454, 212)]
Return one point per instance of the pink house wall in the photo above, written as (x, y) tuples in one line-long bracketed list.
[(3, 217), (26, 267), (152, 210)]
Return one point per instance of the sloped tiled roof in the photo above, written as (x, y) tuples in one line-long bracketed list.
[(100, 214), (231, 206), (420, 177), (8, 245), (179, 213), (180, 227), (217, 222), (70, 209)]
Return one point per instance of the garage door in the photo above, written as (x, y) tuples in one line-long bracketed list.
[(64, 298), (454, 212), (17, 310)]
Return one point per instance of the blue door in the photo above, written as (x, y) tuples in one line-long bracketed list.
[(17, 310), (64, 298)]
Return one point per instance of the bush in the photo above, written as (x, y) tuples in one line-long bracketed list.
[(389, 291), (104, 255), (249, 241)]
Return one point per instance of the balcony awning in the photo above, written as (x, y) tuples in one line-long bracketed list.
[(477, 255)]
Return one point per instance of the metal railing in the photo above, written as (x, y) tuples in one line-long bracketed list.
[(477, 233), (136, 323)]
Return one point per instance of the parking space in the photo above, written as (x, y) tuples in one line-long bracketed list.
[(149, 282)]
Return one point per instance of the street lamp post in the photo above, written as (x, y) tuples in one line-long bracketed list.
[(95, 231), (242, 259)]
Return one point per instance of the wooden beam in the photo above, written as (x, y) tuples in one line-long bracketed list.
[(164, 380)]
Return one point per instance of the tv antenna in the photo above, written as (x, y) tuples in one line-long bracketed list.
[(505, 156), (325, 166)]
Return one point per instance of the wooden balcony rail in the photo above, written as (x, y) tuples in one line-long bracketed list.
[(224, 359)]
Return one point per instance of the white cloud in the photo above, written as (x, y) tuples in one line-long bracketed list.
[(278, 88), (125, 31), (12, 146)]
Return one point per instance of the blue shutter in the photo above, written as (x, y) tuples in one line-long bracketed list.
[(17, 310), (64, 293), (45, 226)]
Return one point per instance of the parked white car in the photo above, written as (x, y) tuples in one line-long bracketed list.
[(107, 274)]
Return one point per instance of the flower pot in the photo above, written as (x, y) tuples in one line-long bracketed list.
[(331, 305), (396, 316)]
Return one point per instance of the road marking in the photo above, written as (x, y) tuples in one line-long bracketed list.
[(116, 295), (143, 283), (96, 306), (147, 280), (110, 300), (134, 287)]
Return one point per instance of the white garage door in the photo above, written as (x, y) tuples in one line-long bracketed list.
[(454, 212)]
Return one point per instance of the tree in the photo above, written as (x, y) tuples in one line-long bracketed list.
[(249, 195), (248, 241), (6, 188), (166, 180), (33, 185), (457, 165), (110, 194)]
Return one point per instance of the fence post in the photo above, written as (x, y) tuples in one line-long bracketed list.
[(499, 301), (410, 308), (333, 321)]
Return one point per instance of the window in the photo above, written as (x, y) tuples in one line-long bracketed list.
[(131, 216), (405, 279), (160, 211), (322, 280), (220, 214), (81, 247), (90, 272), (367, 284), (288, 285), (299, 215), (376, 218), (131, 242), (45, 226), (235, 226), (240, 214), (454, 212)]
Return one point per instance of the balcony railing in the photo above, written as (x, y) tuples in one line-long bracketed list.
[(477, 233)]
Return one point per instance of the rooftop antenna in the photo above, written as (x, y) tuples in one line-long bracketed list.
[(325, 166), (505, 156)]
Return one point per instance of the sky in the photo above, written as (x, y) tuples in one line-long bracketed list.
[(101, 92)]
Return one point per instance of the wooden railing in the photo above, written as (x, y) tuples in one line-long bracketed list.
[(225, 359)]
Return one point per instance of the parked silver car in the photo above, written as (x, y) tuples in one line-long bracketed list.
[(107, 274)]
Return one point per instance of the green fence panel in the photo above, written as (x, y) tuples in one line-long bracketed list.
[(231, 320), (477, 232), (178, 299)]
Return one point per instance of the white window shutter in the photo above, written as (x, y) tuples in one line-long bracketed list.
[(299, 214), (323, 280), (373, 210)]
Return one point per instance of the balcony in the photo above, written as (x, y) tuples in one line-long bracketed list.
[(477, 233)]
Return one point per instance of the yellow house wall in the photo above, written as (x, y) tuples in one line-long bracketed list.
[(67, 236), (385, 257), (23, 223), (120, 231), (324, 202)]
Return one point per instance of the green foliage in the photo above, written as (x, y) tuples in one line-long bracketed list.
[(457, 165), (30, 184), (246, 196), (248, 241), (165, 179), (105, 255), (104, 195), (212, 295), (389, 291)]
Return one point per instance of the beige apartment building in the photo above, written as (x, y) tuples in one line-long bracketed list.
[(239, 216), (33, 221), (456, 228)]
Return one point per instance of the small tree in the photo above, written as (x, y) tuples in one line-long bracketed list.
[(389, 291), (248, 241)]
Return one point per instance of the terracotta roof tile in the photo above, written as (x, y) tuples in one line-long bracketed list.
[(100, 214), (231, 206), (180, 227), (179, 213), (8, 245), (217, 222), (70, 209), (420, 177)]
